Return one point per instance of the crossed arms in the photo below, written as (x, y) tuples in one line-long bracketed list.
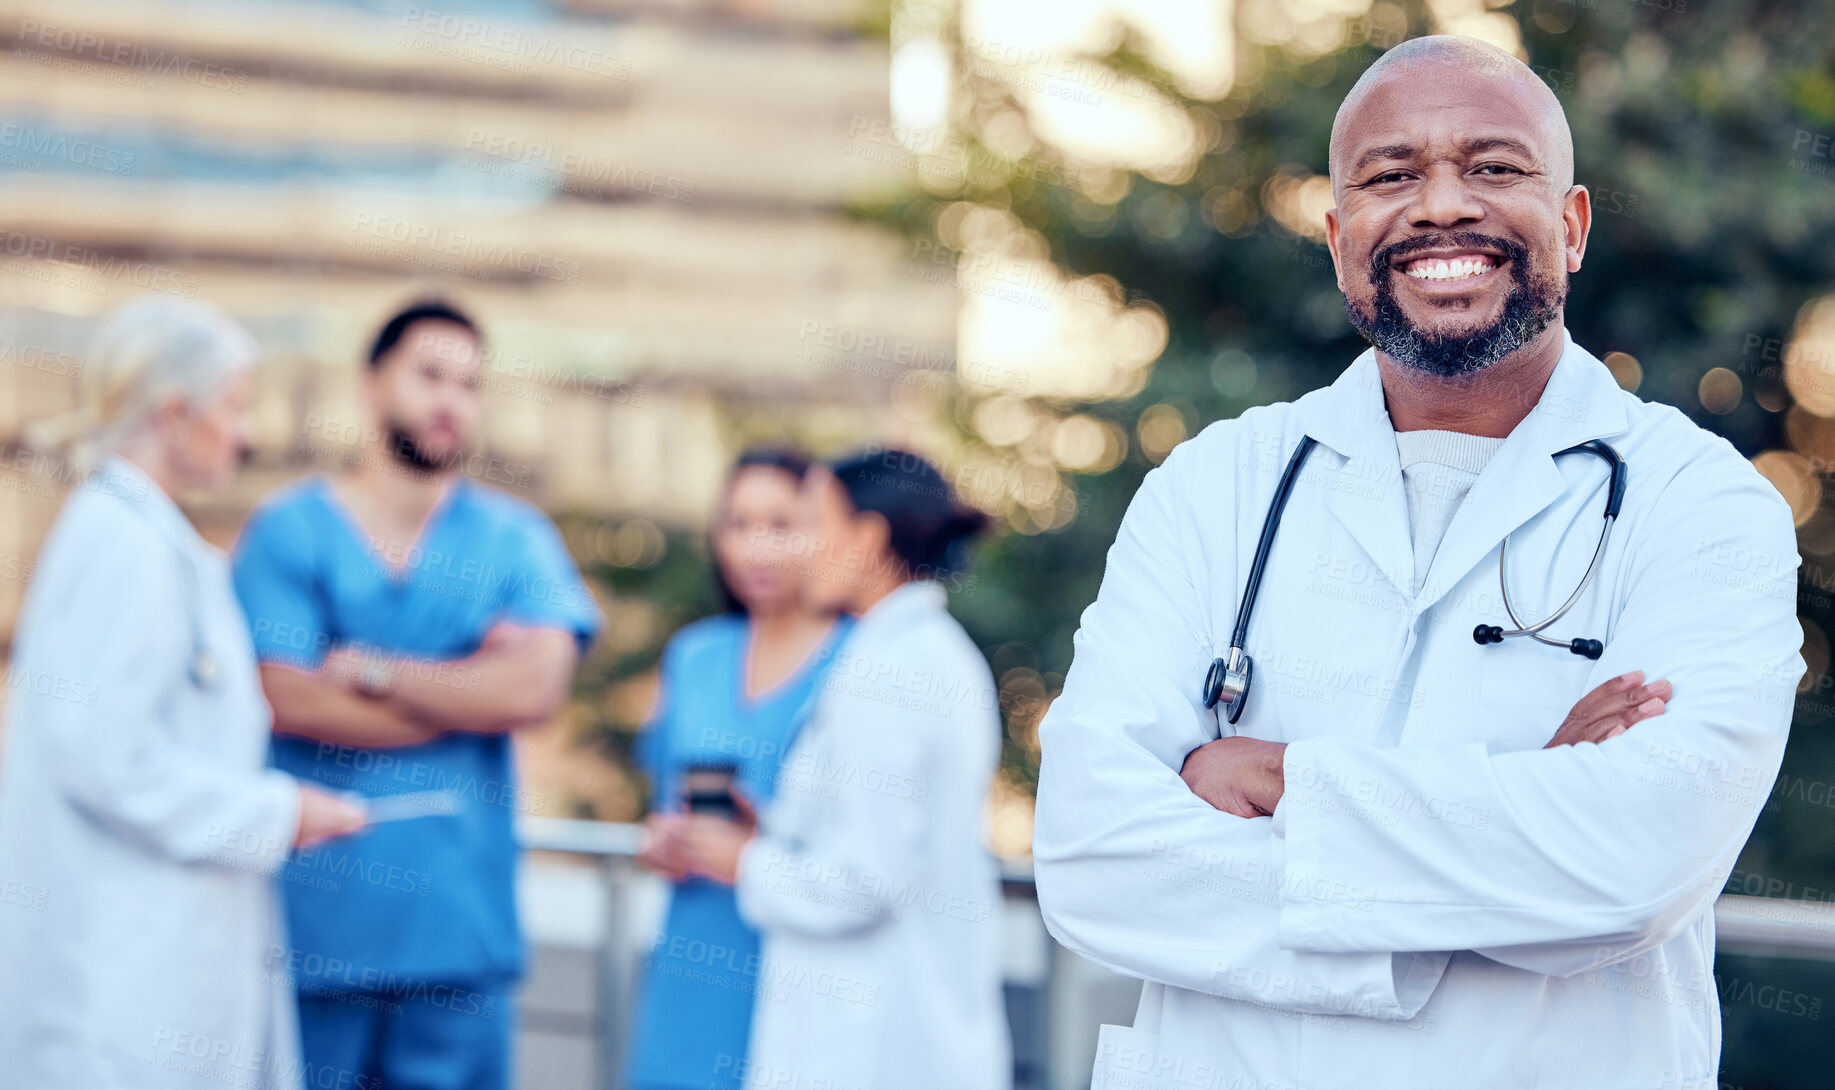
[(1583, 856), (517, 677)]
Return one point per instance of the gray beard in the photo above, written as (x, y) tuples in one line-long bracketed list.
[(1533, 305)]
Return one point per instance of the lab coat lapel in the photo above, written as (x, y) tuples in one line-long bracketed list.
[(128, 483), (1364, 493), (1581, 401)]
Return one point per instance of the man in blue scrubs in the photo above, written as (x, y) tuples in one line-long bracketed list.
[(409, 618)]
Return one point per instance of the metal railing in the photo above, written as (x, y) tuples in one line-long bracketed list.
[(1749, 926)]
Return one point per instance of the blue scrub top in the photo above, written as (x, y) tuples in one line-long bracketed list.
[(695, 1009), (433, 898)]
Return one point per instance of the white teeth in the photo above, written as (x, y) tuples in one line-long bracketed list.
[(1439, 268)]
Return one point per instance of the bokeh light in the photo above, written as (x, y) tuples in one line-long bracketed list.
[(1791, 475), (1720, 391)]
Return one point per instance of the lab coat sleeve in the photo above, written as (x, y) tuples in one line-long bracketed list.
[(855, 869), (124, 625), (1561, 860), (1134, 871)]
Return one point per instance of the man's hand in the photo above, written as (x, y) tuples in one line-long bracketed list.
[(1240, 776), (1611, 709)]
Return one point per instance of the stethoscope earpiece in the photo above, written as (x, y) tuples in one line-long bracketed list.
[(1615, 497)]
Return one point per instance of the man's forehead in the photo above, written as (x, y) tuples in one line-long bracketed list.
[(1446, 104), (1443, 134)]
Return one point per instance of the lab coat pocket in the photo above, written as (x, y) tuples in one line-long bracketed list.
[(1129, 1059), (1528, 696)]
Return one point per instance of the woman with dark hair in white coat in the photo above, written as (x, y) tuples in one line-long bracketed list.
[(869, 874), (139, 828)]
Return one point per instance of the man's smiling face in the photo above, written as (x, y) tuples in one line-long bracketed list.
[(1457, 222)]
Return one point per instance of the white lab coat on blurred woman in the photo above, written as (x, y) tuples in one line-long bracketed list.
[(870, 879), (139, 828), (138, 831)]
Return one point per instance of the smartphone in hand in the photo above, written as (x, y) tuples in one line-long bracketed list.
[(708, 789)]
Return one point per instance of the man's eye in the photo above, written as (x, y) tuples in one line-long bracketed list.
[(1391, 176), (1498, 168)]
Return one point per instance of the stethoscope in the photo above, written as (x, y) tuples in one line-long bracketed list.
[(1228, 679), (205, 669)]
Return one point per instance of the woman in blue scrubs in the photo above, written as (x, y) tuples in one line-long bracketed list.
[(734, 688)]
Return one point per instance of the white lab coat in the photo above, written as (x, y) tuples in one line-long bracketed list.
[(139, 830), (1437, 901), (871, 880)]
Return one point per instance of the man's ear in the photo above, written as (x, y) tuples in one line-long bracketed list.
[(1331, 244), (1577, 224), (369, 391)]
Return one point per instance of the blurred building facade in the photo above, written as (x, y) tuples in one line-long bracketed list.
[(646, 204)]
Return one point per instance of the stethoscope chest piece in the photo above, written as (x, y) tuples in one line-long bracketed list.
[(1228, 683), (204, 668)]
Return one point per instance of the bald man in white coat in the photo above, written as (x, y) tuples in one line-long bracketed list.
[(1416, 860)]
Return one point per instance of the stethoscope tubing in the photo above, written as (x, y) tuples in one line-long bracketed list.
[(1535, 630), (1235, 673)]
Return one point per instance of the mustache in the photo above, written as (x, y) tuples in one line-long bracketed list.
[(1382, 259), (1533, 303)]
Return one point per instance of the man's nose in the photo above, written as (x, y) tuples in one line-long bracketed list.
[(1445, 200)]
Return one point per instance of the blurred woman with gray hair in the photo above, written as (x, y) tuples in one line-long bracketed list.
[(139, 828)]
